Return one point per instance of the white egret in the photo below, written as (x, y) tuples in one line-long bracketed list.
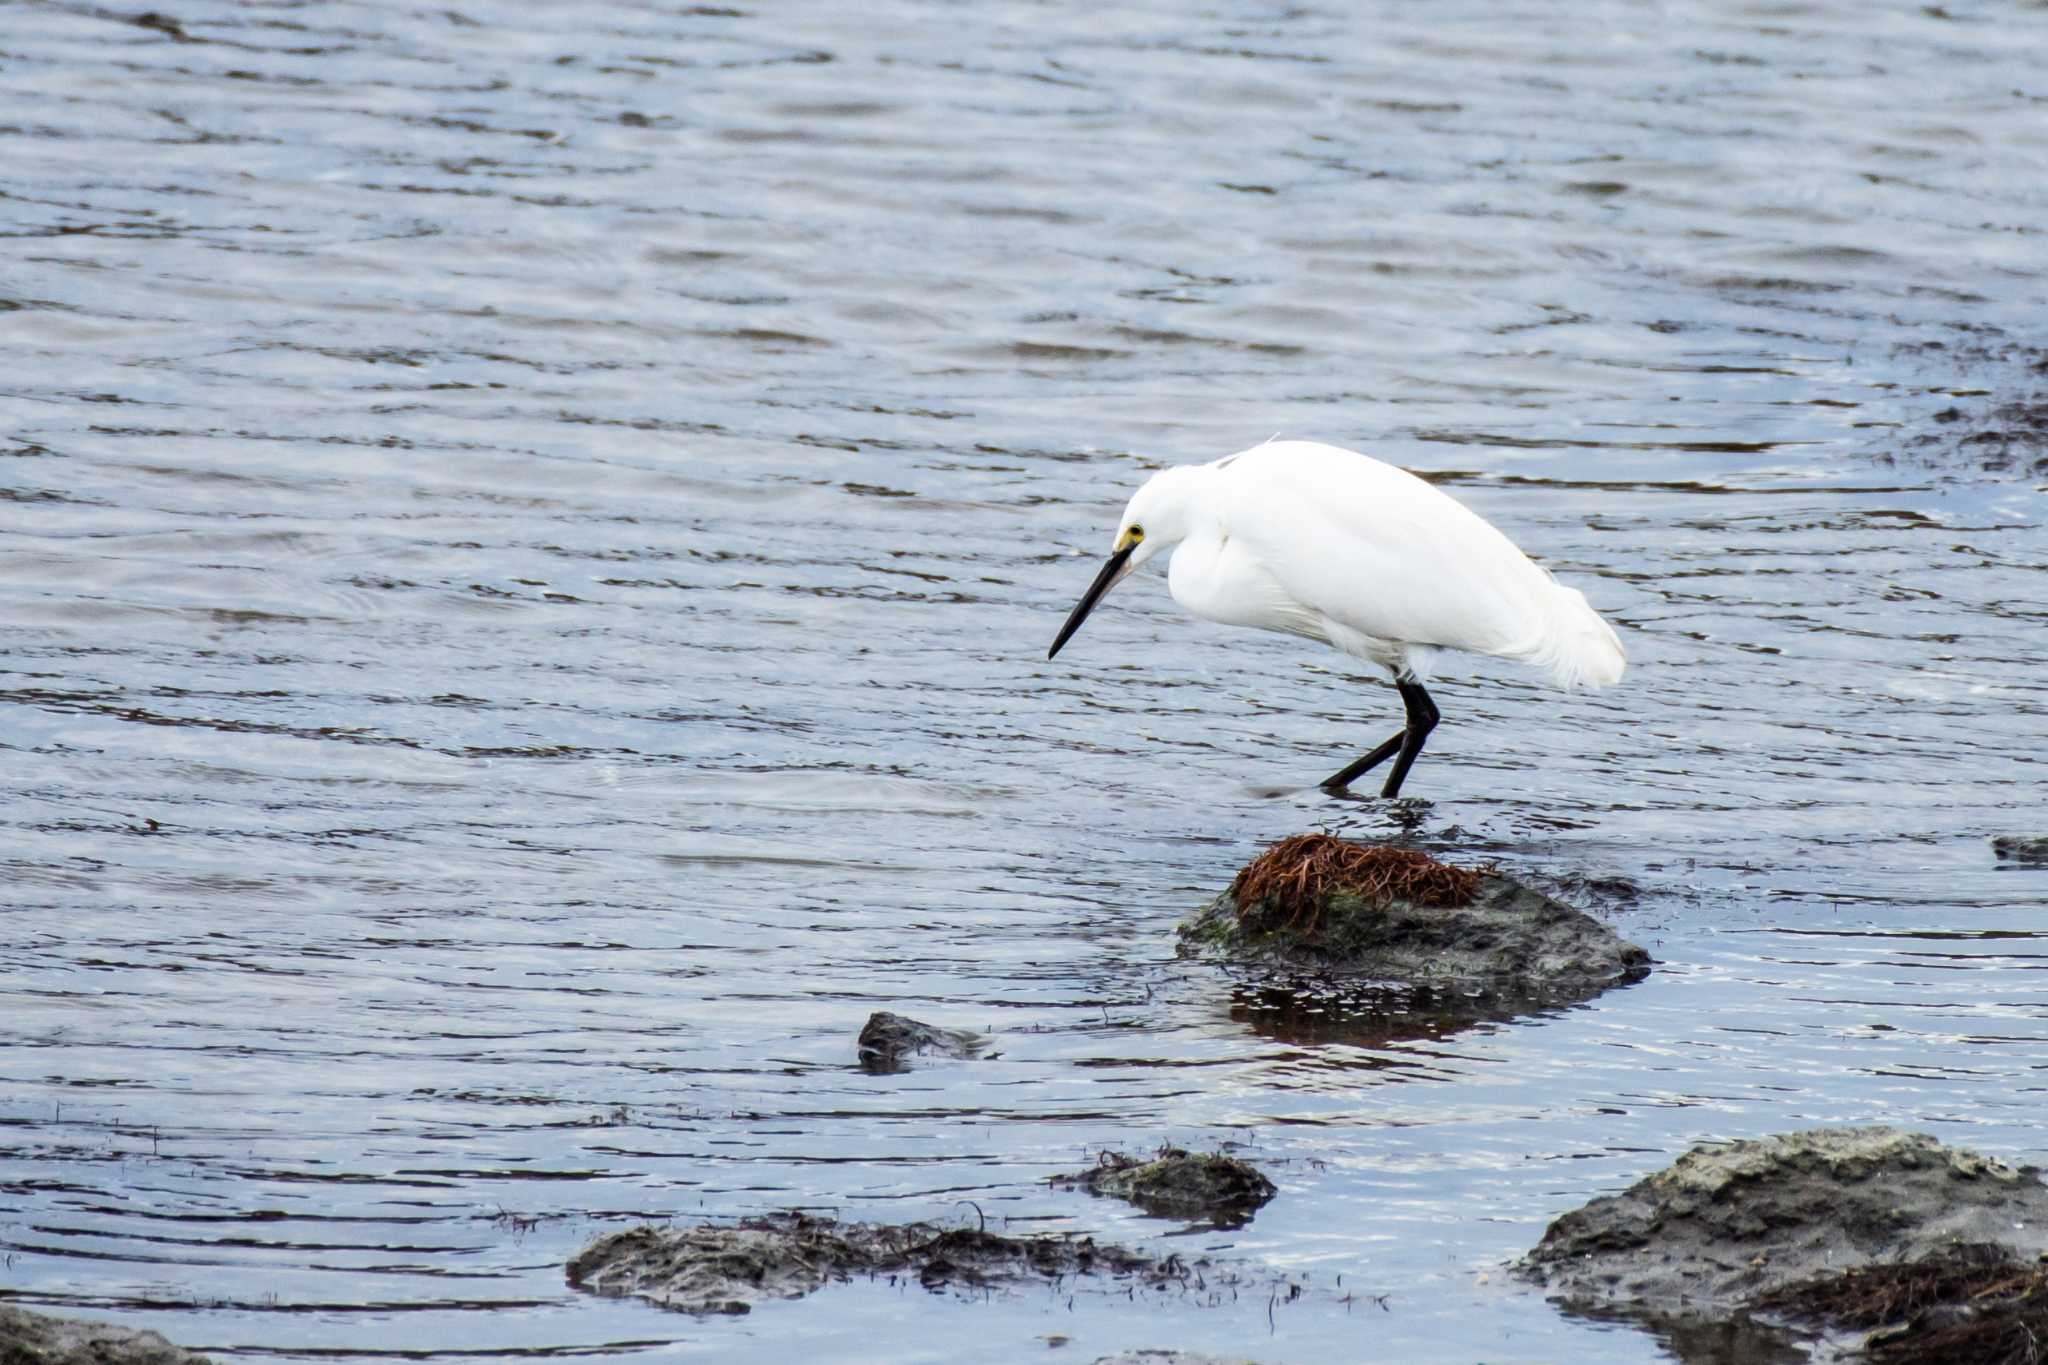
[(1313, 540)]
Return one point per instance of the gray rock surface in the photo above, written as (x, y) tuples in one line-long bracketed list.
[(728, 1268), (1512, 939), (33, 1339), (1726, 1224)]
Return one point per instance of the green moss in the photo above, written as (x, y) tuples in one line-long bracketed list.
[(1347, 925)]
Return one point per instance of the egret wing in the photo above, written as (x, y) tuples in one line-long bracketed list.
[(1380, 552)]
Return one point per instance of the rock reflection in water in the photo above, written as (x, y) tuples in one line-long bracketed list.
[(1315, 1011), (1734, 1339)]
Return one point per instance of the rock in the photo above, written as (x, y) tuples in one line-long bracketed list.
[(1969, 1303), (730, 1268), (1724, 1224), (1481, 933), (2026, 850), (1179, 1184), (33, 1339), (1729, 1230), (888, 1041)]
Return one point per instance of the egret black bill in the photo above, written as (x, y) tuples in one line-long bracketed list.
[(1104, 581)]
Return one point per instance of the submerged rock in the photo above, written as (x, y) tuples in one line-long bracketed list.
[(1179, 1184), (33, 1339), (1399, 915), (1784, 1224), (888, 1041), (2027, 850), (730, 1268)]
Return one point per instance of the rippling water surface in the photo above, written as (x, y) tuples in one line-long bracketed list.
[(531, 534)]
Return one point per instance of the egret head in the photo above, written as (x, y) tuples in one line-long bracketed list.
[(1155, 519)]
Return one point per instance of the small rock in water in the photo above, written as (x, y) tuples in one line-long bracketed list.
[(888, 1041), (2027, 850), (1179, 1184)]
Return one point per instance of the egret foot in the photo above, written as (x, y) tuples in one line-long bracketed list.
[(1422, 718)]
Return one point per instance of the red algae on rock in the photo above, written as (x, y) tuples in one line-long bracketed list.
[(1396, 915), (1287, 886)]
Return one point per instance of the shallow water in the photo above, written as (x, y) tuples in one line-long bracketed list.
[(530, 541)]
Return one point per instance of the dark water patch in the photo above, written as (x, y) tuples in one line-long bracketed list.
[(1556, 443), (1996, 422)]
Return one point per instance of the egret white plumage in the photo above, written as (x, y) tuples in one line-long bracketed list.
[(1313, 540)]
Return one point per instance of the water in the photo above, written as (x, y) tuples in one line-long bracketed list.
[(531, 537)]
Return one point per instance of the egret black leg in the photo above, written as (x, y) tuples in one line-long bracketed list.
[(1339, 781), (1422, 718)]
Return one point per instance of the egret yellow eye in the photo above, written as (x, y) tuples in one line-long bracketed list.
[(1137, 534)]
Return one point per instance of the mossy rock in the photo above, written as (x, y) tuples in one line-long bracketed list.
[(1509, 938)]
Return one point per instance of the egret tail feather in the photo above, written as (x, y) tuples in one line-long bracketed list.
[(1578, 648)]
